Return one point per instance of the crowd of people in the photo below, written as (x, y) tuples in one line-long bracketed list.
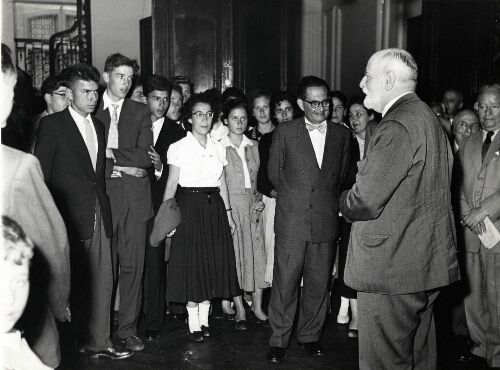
[(146, 198)]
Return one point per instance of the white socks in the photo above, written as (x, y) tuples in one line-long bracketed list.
[(204, 309), (344, 306), (193, 319)]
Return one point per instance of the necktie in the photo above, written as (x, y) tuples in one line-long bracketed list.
[(113, 129), (321, 127), (486, 145), (89, 139)]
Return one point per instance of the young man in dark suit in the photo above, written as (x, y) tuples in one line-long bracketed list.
[(71, 149), (309, 161), (128, 138), (402, 243)]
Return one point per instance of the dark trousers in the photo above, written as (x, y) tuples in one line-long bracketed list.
[(128, 247), (154, 284), (397, 331), (293, 259), (92, 287)]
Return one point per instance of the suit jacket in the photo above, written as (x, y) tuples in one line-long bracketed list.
[(307, 202), (69, 175), (27, 201), (170, 133), (403, 238), (480, 185), (135, 138)]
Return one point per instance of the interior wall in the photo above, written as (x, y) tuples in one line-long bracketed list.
[(115, 28), (312, 39), (8, 32)]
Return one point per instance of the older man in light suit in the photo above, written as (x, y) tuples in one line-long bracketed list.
[(402, 246), (308, 163), (480, 199)]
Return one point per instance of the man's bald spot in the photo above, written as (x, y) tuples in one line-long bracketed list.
[(492, 89), (459, 95)]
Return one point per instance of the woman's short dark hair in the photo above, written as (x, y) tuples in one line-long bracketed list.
[(278, 98), (233, 93), (187, 109), (339, 95), (358, 99), (231, 105)]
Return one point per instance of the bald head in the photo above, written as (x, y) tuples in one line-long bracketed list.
[(465, 123), (389, 73)]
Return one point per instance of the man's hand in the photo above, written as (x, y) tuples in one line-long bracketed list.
[(131, 171), (474, 220), (110, 155), (155, 158)]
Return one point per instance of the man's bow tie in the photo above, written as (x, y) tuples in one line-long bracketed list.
[(321, 127)]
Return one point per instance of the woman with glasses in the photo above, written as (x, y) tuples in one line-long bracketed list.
[(202, 262), (241, 178), (259, 105), (284, 108), (359, 119)]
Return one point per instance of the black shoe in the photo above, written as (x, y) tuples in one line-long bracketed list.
[(132, 342), (241, 325), (276, 354), (264, 323), (229, 316), (472, 359), (180, 316), (206, 331), (114, 353), (196, 336), (152, 334), (313, 348)]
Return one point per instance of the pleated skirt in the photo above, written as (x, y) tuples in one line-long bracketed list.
[(202, 262)]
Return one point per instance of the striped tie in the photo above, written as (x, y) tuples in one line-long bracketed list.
[(113, 129), (89, 139)]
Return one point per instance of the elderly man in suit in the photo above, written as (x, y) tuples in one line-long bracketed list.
[(309, 161), (71, 148), (26, 199), (129, 138), (480, 201), (402, 245)]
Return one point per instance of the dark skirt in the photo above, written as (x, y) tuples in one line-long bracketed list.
[(202, 263)]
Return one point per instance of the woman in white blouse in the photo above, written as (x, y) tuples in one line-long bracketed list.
[(202, 262)]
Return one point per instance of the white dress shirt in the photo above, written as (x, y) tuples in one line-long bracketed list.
[(241, 152), (495, 132), (157, 126), (199, 167), (318, 141), (81, 126), (361, 144), (107, 103)]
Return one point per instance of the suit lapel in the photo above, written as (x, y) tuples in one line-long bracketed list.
[(78, 141), (304, 147), (494, 147), (101, 145), (162, 136), (475, 150)]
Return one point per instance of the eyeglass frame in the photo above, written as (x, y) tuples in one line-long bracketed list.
[(318, 103), (62, 95), (200, 114)]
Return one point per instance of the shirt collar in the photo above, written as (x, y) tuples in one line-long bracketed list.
[(315, 124), (107, 102), (391, 103), (226, 142), (495, 132), (77, 117), (159, 122)]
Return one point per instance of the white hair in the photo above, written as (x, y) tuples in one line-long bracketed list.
[(401, 63)]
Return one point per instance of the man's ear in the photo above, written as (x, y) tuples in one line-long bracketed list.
[(48, 98), (300, 103), (105, 76), (390, 80)]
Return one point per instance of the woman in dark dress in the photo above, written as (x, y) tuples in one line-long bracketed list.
[(202, 260)]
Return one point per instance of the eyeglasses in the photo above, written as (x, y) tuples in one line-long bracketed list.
[(315, 104), (200, 114), (62, 95)]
